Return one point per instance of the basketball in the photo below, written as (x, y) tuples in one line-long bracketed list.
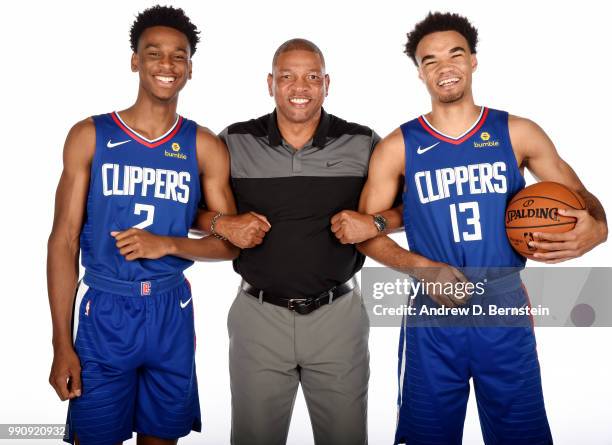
[(535, 209)]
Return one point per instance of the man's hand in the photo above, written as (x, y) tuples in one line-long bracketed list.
[(65, 374), (245, 230), (437, 278), (137, 243), (352, 227), (559, 247)]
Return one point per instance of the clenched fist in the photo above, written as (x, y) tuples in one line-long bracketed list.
[(245, 230), (352, 227)]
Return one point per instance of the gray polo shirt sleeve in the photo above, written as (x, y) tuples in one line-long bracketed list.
[(375, 140), (223, 135)]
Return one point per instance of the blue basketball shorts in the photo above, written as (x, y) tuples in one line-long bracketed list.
[(136, 344), (436, 364)]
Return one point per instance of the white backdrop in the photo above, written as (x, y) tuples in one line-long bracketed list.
[(63, 61)]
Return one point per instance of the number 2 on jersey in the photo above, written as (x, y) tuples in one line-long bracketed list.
[(150, 211), (473, 221)]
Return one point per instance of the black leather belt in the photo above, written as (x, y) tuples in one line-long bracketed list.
[(301, 305)]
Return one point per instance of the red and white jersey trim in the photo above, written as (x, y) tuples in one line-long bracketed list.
[(151, 143), (484, 111)]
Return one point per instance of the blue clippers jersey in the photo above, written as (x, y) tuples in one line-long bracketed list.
[(136, 182), (457, 190)]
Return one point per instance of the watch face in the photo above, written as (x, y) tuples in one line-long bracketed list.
[(380, 222)]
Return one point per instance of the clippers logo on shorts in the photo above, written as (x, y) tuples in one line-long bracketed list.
[(145, 288), (456, 195), (151, 185)]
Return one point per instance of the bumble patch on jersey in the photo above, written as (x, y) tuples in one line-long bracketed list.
[(485, 141), (175, 152)]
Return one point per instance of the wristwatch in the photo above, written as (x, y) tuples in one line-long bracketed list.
[(380, 222)]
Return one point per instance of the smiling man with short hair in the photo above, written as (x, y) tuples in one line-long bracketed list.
[(298, 317), (129, 363)]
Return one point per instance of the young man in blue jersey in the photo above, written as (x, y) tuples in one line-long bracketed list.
[(454, 202), (125, 356)]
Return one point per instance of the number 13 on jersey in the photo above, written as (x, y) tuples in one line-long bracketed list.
[(468, 211)]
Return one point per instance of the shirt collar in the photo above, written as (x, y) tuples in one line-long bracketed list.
[(320, 137)]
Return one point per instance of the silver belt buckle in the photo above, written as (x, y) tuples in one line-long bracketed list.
[(293, 301)]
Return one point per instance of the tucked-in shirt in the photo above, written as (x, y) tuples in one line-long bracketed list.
[(298, 191)]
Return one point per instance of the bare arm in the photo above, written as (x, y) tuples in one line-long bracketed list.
[(63, 254), (384, 178), (215, 180), (353, 227), (535, 151), (214, 177), (243, 231)]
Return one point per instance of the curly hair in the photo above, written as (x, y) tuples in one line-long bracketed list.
[(438, 21), (164, 16)]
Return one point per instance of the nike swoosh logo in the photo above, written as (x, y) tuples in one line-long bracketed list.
[(184, 305), (110, 144), (420, 150), (332, 163)]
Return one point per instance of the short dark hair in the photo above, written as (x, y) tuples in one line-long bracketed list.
[(438, 21), (297, 45), (164, 16)]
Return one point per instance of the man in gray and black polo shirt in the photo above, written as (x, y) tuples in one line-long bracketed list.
[(299, 315), (276, 340), (298, 190)]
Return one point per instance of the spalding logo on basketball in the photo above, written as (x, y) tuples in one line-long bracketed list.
[(536, 209)]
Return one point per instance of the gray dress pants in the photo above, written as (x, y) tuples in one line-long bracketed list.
[(273, 349)]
